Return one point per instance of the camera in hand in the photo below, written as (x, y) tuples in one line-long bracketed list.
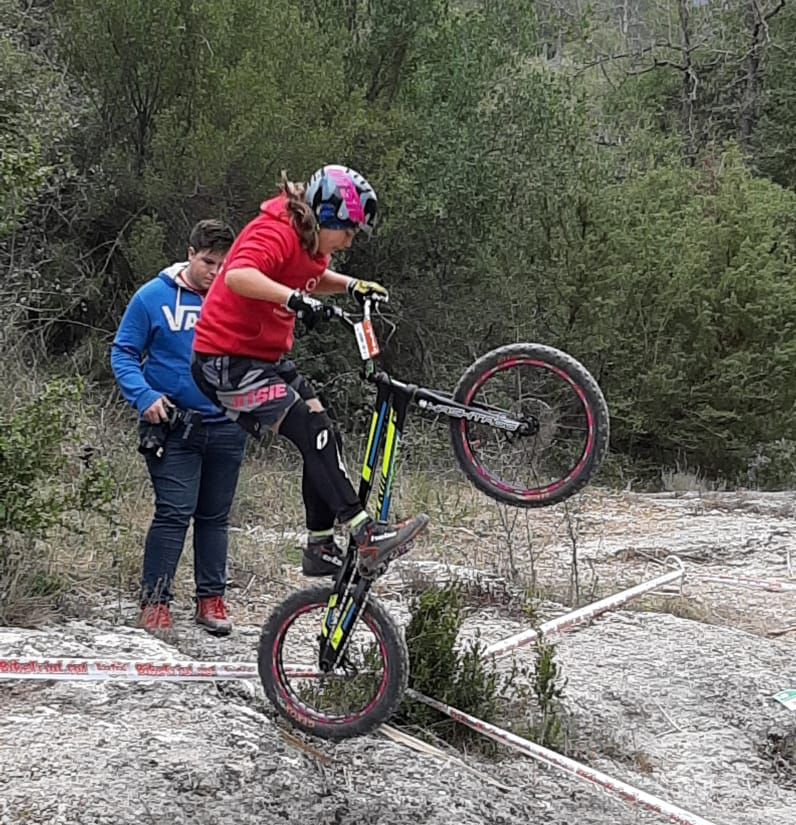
[(152, 440)]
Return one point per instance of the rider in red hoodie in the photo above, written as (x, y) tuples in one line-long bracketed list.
[(246, 329)]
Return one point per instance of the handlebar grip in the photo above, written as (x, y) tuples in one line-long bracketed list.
[(310, 318)]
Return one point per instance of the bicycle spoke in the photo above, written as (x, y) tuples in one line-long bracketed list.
[(344, 692), (558, 436)]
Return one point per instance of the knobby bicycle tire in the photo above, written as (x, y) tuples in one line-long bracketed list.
[(570, 416), (295, 702)]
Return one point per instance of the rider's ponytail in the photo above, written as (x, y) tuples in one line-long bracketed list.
[(301, 215)]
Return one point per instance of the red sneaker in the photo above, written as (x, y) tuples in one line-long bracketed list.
[(156, 619), (211, 613)]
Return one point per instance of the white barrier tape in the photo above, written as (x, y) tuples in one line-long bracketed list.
[(750, 581), (95, 670), (583, 614), (613, 787)]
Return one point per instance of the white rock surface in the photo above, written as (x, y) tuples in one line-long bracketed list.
[(678, 707)]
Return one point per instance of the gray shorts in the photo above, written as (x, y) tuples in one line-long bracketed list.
[(256, 394)]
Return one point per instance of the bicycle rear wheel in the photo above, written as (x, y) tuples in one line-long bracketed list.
[(564, 435), (362, 691)]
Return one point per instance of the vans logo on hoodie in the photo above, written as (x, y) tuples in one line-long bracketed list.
[(183, 317)]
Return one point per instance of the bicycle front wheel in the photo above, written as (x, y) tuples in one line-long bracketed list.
[(362, 691), (564, 429)]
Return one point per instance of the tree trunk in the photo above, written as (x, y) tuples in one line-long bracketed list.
[(689, 84)]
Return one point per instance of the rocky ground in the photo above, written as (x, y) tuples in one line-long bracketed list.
[(671, 694)]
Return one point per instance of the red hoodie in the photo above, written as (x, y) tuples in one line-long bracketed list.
[(233, 325)]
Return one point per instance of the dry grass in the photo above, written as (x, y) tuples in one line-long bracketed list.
[(95, 558), (684, 607), (520, 549), (592, 545)]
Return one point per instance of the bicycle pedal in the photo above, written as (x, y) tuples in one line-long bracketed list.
[(382, 568), (371, 575)]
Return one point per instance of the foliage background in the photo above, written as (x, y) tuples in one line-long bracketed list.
[(612, 179)]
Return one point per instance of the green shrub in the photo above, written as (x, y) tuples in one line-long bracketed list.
[(772, 466), (32, 458), (548, 688), (437, 669), (44, 481), (461, 678), (686, 311)]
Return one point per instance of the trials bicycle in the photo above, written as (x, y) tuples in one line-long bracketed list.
[(529, 426)]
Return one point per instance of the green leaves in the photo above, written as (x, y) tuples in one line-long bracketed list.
[(32, 458), (693, 271), (439, 668), (33, 117), (522, 196)]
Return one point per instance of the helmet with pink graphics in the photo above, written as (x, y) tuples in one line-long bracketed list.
[(341, 198)]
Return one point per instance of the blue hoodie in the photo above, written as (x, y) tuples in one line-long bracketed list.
[(151, 353)]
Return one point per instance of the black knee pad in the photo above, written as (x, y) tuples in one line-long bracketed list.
[(308, 430), (314, 434), (322, 430)]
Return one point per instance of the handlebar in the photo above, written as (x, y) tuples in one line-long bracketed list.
[(333, 311), (359, 325)]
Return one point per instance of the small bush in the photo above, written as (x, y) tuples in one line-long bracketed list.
[(461, 678), (44, 480), (548, 688), (31, 459), (683, 480), (773, 466), (528, 703), (439, 670)]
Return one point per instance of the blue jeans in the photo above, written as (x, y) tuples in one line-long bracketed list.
[(195, 478)]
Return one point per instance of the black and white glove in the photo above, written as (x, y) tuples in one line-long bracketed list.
[(309, 310), (359, 290)]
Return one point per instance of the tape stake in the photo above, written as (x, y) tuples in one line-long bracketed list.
[(612, 787), (583, 614)]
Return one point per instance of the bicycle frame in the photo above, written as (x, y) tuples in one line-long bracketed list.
[(387, 426), (389, 415), (384, 440)]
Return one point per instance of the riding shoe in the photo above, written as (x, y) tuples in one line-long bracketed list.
[(321, 557), (378, 544)]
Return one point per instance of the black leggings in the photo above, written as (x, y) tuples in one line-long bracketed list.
[(325, 485)]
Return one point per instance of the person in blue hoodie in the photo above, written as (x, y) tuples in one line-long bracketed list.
[(193, 451)]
